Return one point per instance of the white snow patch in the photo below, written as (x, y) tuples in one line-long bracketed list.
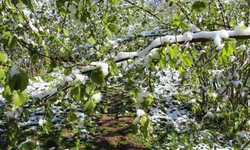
[(125, 55), (33, 27), (41, 122), (188, 36), (14, 70), (243, 47), (136, 120), (87, 68), (141, 96), (97, 97), (194, 28), (140, 112), (104, 67)]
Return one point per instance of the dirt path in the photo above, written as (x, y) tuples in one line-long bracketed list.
[(116, 133)]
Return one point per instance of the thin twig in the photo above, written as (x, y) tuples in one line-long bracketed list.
[(147, 11), (248, 142), (184, 13)]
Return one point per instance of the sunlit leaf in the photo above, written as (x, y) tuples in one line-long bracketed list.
[(19, 98), (7, 93), (186, 60), (228, 49), (223, 59), (91, 40), (2, 57), (66, 32)]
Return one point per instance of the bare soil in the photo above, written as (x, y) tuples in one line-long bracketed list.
[(116, 133)]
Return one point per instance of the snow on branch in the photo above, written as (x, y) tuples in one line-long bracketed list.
[(240, 32)]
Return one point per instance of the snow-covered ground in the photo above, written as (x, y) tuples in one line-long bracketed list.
[(167, 115), (171, 115), (37, 89)]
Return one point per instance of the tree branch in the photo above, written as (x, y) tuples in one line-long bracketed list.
[(147, 11)]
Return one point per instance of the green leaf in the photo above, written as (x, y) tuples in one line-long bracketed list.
[(12, 42), (176, 23), (52, 65), (18, 81), (181, 70), (14, 83), (47, 126), (34, 59), (2, 57), (84, 17), (89, 89), (7, 94), (66, 32), (144, 122), (135, 129), (173, 52), (5, 37), (113, 18), (172, 62), (61, 7), (20, 18), (108, 32), (27, 3), (230, 40), (91, 40), (228, 49), (186, 60), (76, 92), (198, 6), (88, 2), (19, 98), (2, 74), (78, 143), (89, 106), (72, 117), (115, 1), (15, 1), (50, 113), (112, 27), (26, 115), (184, 26), (162, 62), (223, 59), (130, 85), (67, 72), (97, 76), (29, 145), (147, 102), (53, 39), (24, 97), (152, 65), (113, 64), (24, 80)]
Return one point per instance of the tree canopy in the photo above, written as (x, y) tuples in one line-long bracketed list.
[(183, 64)]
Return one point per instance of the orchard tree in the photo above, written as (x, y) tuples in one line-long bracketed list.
[(99, 44)]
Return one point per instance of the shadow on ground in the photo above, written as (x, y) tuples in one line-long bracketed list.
[(116, 133)]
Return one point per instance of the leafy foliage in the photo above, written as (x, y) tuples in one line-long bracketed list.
[(39, 39)]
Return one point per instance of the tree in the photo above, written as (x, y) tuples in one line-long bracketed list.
[(204, 43)]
